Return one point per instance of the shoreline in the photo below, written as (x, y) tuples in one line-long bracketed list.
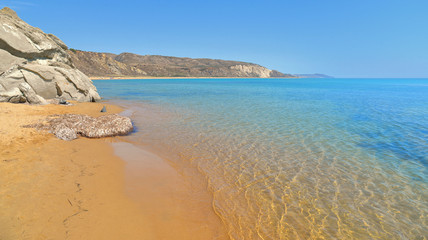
[(91, 188), (180, 203), (50, 188)]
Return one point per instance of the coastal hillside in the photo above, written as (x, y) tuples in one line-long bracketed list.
[(96, 64)]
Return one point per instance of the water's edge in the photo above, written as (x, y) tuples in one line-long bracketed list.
[(288, 159), (180, 204)]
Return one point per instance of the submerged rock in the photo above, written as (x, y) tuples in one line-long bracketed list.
[(39, 61), (68, 126)]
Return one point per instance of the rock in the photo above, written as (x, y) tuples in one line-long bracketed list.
[(9, 12), (58, 41), (28, 55), (30, 95), (75, 85), (7, 60), (17, 99), (106, 126), (14, 96), (63, 102), (43, 88), (12, 80), (87, 126), (63, 132), (58, 101), (104, 109)]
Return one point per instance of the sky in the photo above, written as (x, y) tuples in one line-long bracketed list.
[(342, 38)]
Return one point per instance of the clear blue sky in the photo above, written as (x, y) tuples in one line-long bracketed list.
[(343, 38)]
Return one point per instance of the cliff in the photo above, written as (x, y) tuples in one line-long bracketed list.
[(35, 66), (96, 64)]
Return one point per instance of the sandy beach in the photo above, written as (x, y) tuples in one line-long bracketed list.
[(54, 189), (195, 121)]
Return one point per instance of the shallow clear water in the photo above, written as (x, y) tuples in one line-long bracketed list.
[(294, 158)]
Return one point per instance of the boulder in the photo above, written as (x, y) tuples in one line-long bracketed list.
[(28, 55)]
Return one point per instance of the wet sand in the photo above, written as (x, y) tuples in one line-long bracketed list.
[(178, 206), (54, 189)]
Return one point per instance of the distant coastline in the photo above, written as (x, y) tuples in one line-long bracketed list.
[(94, 64), (146, 77), (315, 75)]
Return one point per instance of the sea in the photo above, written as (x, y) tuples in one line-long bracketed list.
[(293, 158)]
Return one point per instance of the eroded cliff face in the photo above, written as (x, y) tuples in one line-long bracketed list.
[(132, 65), (256, 71), (35, 67)]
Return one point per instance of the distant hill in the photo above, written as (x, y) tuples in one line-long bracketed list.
[(315, 75), (96, 64)]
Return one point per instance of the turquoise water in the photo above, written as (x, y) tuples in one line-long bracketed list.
[(294, 158)]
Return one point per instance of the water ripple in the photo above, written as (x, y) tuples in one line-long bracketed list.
[(295, 159)]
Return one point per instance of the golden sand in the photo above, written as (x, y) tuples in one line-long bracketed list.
[(54, 189), (178, 205)]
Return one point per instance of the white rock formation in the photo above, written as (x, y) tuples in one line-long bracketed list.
[(253, 70), (35, 62)]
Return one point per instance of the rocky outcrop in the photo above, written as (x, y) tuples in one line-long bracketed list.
[(38, 65), (68, 126), (133, 65)]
